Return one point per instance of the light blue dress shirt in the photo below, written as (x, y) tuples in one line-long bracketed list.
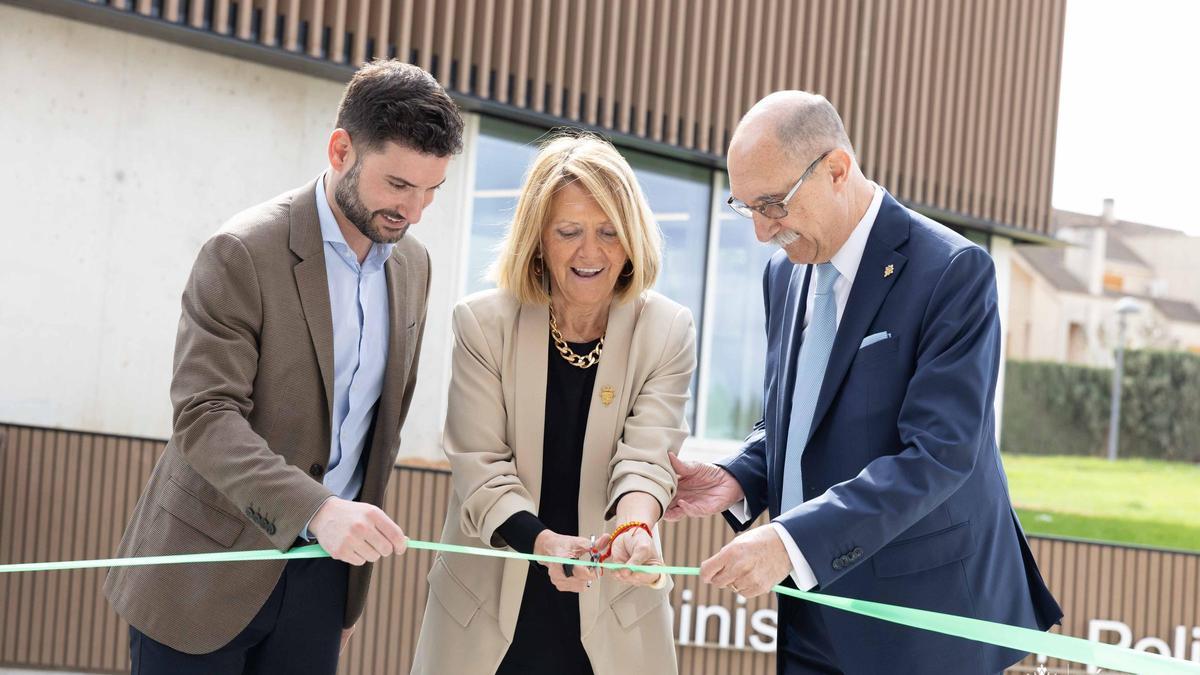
[(358, 300)]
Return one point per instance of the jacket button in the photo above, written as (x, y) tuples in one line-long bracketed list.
[(856, 553), (316, 470), (270, 528), (838, 564), (250, 513)]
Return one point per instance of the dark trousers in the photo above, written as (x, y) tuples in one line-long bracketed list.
[(804, 646), (298, 630)]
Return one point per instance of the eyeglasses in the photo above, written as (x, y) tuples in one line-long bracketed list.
[(774, 210)]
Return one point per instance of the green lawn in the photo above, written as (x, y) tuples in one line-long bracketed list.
[(1133, 501)]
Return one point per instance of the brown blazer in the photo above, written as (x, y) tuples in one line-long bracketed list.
[(252, 389), (493, 438)]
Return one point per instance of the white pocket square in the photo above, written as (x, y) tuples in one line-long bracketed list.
[(872, 339)]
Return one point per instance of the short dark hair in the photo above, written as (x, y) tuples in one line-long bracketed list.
[(390, 101)]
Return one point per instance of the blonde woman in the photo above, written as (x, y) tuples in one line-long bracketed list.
[(567, 396)]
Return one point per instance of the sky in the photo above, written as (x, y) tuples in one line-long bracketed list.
[(1129, 111)]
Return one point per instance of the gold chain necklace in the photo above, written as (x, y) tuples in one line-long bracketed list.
[(584, 361)]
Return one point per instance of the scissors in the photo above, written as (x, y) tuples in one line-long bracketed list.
[(593, 556)]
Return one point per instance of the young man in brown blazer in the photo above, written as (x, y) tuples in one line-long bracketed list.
[(295, 363)]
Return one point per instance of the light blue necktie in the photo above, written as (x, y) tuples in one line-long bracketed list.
[(810, 372)]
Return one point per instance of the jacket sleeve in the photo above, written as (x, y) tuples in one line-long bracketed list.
[(476, 441), (749, 469), (216, 361), (941, 422), (656, 425)]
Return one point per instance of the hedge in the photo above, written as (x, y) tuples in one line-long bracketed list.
[(1063, 409)]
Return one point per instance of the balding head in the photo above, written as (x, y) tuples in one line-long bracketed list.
[(803, 124), (792, 169)]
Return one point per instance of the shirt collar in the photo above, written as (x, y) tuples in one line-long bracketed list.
[(846, 260), (331, 233)]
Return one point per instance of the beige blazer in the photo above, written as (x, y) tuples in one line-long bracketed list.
[(493, 438), (252, 392)]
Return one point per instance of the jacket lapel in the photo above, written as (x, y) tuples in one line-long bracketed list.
[(533, 339), (529, 413), (871, 287), (312, 284), (603, 429), (387, 415)]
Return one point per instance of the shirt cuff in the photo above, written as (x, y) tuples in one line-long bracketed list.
[(521, 530), (802, 573), (305, 534), (741, 511)]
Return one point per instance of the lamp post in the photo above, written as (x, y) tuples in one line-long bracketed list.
[(1125, 307)]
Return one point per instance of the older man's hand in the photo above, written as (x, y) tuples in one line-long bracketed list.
[(753, 563), (704, 489)]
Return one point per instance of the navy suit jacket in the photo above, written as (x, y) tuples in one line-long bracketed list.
[(906, 501)]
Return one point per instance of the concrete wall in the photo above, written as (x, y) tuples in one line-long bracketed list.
[(124, 154)]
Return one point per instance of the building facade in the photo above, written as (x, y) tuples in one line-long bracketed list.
[(142, 124), (136, 127)]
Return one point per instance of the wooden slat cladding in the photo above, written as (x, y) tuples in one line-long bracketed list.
[(67, 495), (952, 105)]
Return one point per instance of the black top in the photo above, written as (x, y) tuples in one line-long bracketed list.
[(546, 639)]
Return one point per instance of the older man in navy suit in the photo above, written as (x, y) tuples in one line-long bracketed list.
[(876, 456)]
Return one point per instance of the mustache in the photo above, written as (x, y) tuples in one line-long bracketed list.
[(784, 238)]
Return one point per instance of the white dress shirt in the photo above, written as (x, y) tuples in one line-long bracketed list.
[(846, 262)]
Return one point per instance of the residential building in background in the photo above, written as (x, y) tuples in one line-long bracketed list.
[(1064, 297)]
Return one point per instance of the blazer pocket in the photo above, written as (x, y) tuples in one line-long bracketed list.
[(635, 602), (880, 348), (205, 519), (926, 552), (872, 339), (458, 600)]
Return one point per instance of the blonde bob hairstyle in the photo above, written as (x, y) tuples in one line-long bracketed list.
[(594, 164)]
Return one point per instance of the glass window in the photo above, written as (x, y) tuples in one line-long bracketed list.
[(503, 152), (679, 194), (734, 376)]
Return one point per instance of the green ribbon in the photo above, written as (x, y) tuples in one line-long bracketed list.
[(1053, 645)]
